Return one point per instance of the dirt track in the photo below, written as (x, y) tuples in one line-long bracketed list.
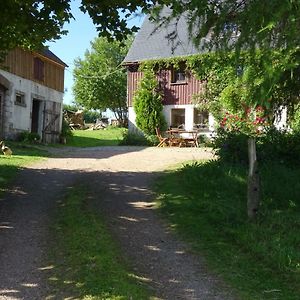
[(120, 178)]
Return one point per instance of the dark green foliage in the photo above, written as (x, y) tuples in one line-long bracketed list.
[(91, 116), (148, 105), (29, 137), (275, 145), (231, 146), (205, 203), (65, 129), (138, 139)]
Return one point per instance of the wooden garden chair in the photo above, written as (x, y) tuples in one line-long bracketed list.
[(163, 141)]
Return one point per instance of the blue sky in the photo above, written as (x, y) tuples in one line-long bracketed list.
[(81, 32)]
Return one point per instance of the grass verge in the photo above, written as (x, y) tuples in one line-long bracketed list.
[(22, 155), (206, 203), (93, 138), (88, 263)]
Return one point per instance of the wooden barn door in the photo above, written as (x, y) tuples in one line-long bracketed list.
[(52, 114)]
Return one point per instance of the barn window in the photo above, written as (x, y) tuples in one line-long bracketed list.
[(38, 69), (20, 99)]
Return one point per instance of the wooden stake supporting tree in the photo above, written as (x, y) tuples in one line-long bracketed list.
[(251, 122)]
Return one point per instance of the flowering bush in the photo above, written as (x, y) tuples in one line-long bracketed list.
[(252, 122)]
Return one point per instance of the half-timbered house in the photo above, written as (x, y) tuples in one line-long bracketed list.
[(31, 94)]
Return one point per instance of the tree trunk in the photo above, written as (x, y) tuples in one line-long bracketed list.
[(253, 181)]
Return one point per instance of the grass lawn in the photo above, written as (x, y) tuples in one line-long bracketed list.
[(91, 265), (22, 155), (206, 203), (92, 138)]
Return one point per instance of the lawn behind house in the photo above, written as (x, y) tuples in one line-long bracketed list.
[(206, 204), (94, 138)]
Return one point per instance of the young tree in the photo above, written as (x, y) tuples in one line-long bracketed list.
[(147, 104), (99, 79), (244, 92)]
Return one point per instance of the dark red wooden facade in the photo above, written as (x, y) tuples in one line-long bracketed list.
[(174, 93)]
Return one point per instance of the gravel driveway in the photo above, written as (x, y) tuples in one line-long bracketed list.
[(120, 178)]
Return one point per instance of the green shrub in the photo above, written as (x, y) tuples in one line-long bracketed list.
[(231, 146), (281, 146), (65, 129), (148, 105), (29, 137), (138, 139)]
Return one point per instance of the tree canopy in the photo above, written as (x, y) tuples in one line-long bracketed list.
[(99, 80), (252, 23)]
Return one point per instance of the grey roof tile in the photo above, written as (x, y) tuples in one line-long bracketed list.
[(153, 42)]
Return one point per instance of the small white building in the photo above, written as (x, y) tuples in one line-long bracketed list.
[(31, 94)]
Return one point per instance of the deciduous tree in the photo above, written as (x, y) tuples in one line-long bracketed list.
[(99, 78)]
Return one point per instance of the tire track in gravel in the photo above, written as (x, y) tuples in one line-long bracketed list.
[(119, 179)]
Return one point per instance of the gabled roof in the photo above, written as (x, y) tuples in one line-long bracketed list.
[(50, 55), (153, 42)]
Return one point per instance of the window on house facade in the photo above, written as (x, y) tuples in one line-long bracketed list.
[(201, 119), (38, 69), (179, 74), (20, 99), (178, 117)]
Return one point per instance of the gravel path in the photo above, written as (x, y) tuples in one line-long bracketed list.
[(119, 178)]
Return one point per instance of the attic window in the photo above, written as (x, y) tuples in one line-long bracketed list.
[(38, 69)]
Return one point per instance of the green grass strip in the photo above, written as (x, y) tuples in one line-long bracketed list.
[(88, 264), (94, 138), (22, 155), (206, 204)]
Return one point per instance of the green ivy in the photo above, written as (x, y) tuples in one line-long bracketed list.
[(235, 81)]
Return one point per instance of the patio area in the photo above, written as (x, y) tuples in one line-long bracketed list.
[(178, 138)]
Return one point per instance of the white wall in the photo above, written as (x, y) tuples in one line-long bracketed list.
[(18, 117), (167, 111)]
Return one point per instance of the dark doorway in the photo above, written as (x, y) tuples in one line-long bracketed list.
[(35, 115)]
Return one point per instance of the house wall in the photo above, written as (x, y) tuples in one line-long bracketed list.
[(18, 117), (174, 93), (21, 63), (167, 111)]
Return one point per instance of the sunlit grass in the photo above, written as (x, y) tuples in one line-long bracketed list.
[(93, 138), (10, 165), (88, 264), (206, 204)]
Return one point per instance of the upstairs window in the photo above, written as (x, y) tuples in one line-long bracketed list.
[(38, 69), (179, 74)]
